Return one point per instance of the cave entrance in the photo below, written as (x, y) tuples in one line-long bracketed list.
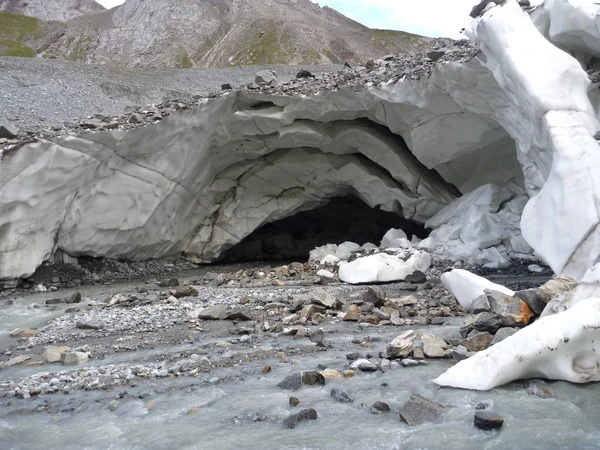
[(341, 219)]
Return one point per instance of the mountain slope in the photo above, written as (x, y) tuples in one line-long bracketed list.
[(62, 10), (220, 33)]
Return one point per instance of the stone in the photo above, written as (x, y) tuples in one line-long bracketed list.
[(317, 336), (417, 277), (375, 295), (216, 312), (401, 346), (293, 401), (186, 291), (435, 55), (51, 354), (419, 410), (477, 341), (460, 353), (353, 356), (324, 298), (90, 325), (348, 373), (407, 362), (559, 284), (485, 321), (75, 297), (266, 77), (170, 282), (480, 304), (135, 118), (25, 333), (434, 347), (303, 73), (226, 87), (90, 123), (8, 131), (267, 369), (74, 358), (513, 311), (364, 365), (112, 405), (331, 374), (502, 334), (54, 301), (341, 394), (304, 415), (16, 360), (380, 407), (488, 420), (237, 314), (531, 298), (297, 380), (353, 314)]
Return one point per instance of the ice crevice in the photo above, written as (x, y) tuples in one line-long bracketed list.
[(514, 123)]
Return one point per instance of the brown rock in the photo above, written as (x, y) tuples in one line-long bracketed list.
[(348, 373), (266, 369), (557, 285), (331, 374), (353, 314), (514, 311), (477, 341)]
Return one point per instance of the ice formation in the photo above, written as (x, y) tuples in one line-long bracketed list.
[(514, 127), (564, 346), (466, 286)]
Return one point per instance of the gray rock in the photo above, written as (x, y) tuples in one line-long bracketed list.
[(186, 291), (485, 321), (90, 123), (75, 297), (89, 325), (226, 87), (295, 419), (435, 55), (364, 365), (559, 284), (502, 334), (324, 298), (237, 314), (341, 394), (217, 312), (375, 295), (171, 282), (135, 118), (353, 356), (74, 358), (419, 410), (434, 347), (477, 340), (317, 336), (409, 362), (8, 131), (417, 277), (531, 298), (297, 380), (480, 304), (460, 352), (54, 301), (514, 311), (380, 407), (293, 401), (488, 420), (266, 77), (51, 354), (303, 73)]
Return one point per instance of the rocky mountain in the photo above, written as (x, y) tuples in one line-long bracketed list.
[(62, 10), (216, 33)]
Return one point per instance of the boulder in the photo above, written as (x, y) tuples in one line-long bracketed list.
[(375, 295), (563, 346), (74, 358), (8, 131), (324, 298), (353, 314), (75, 297), (304, 415), (331, 374), (559, 284), (364, 365), (306, 378), (502, 334), (419, 410), (380, 407), (186, 291), (531, 297), (514, 311), (480, 304), (477, 340), (485, 321), (341, 394), (401, 346), (488, 420), (51, 354), (434, 347), (266, 77)]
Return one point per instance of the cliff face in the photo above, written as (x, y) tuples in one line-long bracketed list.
[(220, 33), (62, 10)]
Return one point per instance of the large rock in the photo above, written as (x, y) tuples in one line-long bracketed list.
[(557, 285), (514, 311), (294, 419), (51, 354), (564, 346), (419, 410), (434, 347), (401, 346)]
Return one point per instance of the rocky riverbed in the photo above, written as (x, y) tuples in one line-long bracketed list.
[(228, 356)]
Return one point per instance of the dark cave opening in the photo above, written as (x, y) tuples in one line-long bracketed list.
[(341, 219)]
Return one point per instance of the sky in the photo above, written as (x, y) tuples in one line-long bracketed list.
[(434, 18)]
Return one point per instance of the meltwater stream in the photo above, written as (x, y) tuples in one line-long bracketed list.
[(244, 409)]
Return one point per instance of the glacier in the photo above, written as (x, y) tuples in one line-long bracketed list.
[(497, 154)]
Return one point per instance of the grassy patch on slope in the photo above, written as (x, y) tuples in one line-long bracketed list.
[(14, 29)]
